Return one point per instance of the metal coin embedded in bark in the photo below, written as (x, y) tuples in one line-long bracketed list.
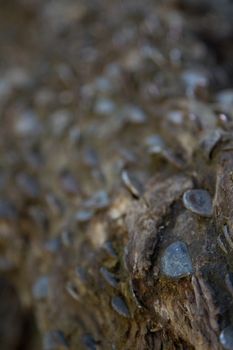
[(67, 238), (134, 294), (108, 247), (72, 291), (89, 342), (54, 340), (109, 277), (40, 288), (131, 184), (83, 216), (199, 202), (133, 114), (27, 124), (155, 144), (100, 200), (120, 307), (176, 261), (53, 245), (226, 338), (167, 154), (229, 282), (210, 142), (81, 275), (104, 107)]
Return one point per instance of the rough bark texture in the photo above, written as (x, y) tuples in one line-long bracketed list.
[(110, 113)]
